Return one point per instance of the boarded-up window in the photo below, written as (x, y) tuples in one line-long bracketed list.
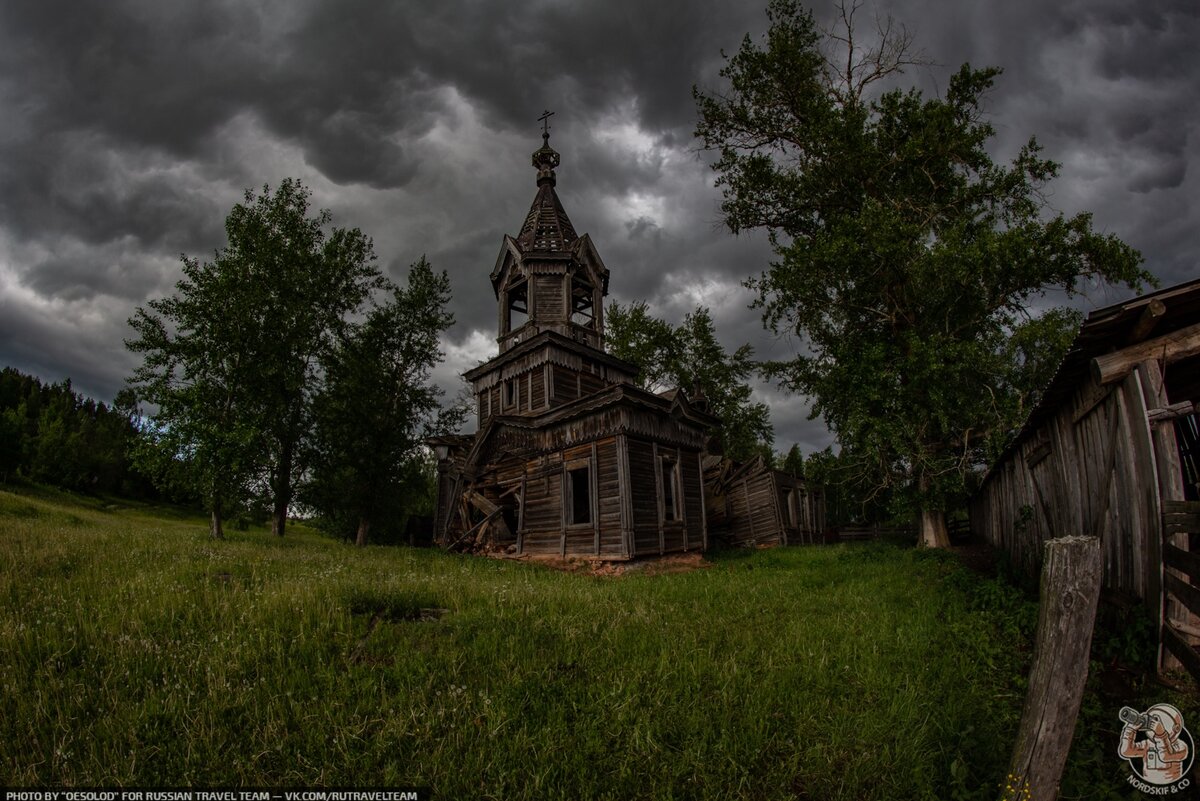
[(670, 488), (579, 495)]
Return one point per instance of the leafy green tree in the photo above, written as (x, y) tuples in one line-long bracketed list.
[(689, 356), (906, 259), (633, 334), (379, 404), (230, 361), (793, 462)]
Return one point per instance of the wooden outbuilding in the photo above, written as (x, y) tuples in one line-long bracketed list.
[(1111, 450), (752, 504), (571, 457)]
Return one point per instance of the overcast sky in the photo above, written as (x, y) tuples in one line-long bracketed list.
[(129, 129)]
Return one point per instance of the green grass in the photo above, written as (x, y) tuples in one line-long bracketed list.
[(134, 650)]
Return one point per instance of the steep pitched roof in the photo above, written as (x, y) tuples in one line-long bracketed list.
[(547, 228)]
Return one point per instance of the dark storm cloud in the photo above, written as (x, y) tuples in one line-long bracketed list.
[(130, 128)]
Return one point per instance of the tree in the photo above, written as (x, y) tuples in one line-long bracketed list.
[(792, 462), (378, 406), (230, 361), (690, 356), (905, 258)]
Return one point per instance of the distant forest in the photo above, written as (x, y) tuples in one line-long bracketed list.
[(51, 434)]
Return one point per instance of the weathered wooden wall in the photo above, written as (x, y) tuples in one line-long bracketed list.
[(1092, 468), (651, 532)]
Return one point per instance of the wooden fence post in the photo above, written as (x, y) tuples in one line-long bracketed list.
[(1070, 590)]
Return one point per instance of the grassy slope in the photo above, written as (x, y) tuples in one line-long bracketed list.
[(134, 650)]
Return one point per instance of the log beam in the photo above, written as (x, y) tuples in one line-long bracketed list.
[(1070, 590), (1151, 314), (1168, 348)]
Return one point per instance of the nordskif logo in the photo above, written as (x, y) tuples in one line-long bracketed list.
[(1158, 748)]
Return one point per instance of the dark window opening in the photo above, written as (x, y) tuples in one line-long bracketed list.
[(787, 503), (582, 310), (580, 502), (510, 392), (1187, 435), (518, 305), (670, 496)]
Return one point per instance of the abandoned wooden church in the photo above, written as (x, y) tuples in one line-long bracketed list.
[(571, 458)]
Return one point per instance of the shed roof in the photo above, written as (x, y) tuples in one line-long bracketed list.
[(1106, 330)]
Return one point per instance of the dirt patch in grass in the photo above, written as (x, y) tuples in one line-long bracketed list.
[(648, 566), (977, 556)]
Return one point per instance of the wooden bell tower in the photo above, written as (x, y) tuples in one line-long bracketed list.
[(548, 278)]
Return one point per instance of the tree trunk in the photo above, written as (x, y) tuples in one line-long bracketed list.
[(932, 529), (283, 491), (215, 523), (364, 526), (931, 523)]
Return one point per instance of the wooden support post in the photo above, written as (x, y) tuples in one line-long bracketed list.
[(1070, 590)]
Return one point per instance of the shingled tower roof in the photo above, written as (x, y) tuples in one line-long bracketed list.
[(547, 228)]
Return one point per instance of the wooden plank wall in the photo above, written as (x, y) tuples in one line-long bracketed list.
[(608, 484), (542, 532), (651, 533), (693, 500), (548, 300), (566, 386), (643, 479), (1090, 469), (753, 511), (537, 395)]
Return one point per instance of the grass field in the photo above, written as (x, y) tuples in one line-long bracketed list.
[(135, 650)]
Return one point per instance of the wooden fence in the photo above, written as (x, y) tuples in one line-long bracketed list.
[(1181, 555), (959, 531)]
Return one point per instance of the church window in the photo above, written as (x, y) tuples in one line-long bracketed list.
[(518, 305), (582, 307), (669, 469), (579, 495)]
